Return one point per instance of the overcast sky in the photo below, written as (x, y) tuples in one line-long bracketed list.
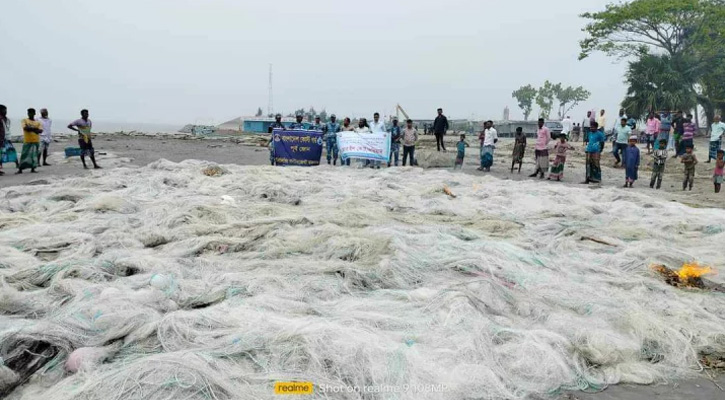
[(179, 61)]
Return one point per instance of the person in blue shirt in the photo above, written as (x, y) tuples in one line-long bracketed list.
[(331, 130), (277, 124), (298, 125), (395, 135), (665, 126), (631, 161), (594, 153), (318, 125), (461, 152)]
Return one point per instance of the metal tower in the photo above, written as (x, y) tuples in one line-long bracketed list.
[(270, 104)]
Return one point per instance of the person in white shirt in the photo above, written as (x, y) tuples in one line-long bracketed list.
[(377, 126), (716, 134), (567, 125), (363, 127), (490, 138), (45, 137)]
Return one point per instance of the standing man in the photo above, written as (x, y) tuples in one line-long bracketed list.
[(318, 125), (346, 127), (541, 150), (31, 139), (490, 138), (678, 124), (716, 133), (602, 120), (45, 137), (83, 126), (4, 130), (331, 130), (586, 124), (410, 136), (395, 135), (277, 124), (665, 127), (652, 130), (622, 132), (298, 125), (567, 125), (440, 127), (377, 126)]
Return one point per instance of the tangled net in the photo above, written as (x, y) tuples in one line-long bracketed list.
[(160, 283)]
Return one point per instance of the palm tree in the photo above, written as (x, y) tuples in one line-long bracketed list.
[(659, 82)]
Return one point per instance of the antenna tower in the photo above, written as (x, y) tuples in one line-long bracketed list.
[(270, 104)]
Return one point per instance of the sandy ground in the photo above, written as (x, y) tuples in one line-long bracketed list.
[(115, 150), (246, 151)]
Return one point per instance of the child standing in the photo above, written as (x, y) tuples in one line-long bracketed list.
[(658, 167), (557, 167), (461, 147), (690, 161), (631, 161), (719, 165), (519, 149)]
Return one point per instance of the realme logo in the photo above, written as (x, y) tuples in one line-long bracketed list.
[(293, 388)]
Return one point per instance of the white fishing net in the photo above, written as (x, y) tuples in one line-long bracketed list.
[(180, 281)]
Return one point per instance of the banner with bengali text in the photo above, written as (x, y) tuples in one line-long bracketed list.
[(365, 146), (297, 148)]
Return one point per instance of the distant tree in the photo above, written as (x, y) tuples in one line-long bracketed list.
[(259, 112), (323, 115), (545, 98), (311, 114), (569, 97), (525, 96)]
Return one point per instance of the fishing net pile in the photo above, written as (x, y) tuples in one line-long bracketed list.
[(195, 281)]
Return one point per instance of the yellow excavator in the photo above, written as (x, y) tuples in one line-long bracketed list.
[(399, 110)]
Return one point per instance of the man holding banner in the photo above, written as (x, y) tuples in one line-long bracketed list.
[(277, 124), (363, 144), (331, 131), (297, 146)]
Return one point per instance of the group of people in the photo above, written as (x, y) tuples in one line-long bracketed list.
[(37, 138), (405, 137), (672, 134)]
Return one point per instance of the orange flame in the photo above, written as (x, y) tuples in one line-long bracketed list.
[(693, 270)]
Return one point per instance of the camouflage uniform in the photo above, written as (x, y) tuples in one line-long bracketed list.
[(395, 134), (330, 137), (275, 125)]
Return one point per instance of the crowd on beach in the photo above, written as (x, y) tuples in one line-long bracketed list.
[(663, 133), (37, 138)]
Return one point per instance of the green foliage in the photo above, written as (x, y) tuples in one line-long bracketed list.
[(525, 96), (656, 83), (642, 26), (545, 98), (687, 35), (259, 112), (569, 97)]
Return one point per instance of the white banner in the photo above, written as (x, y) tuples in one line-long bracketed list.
[(365, 146)]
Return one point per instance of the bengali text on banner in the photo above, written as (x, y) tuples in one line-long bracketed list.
[(297, 148)]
